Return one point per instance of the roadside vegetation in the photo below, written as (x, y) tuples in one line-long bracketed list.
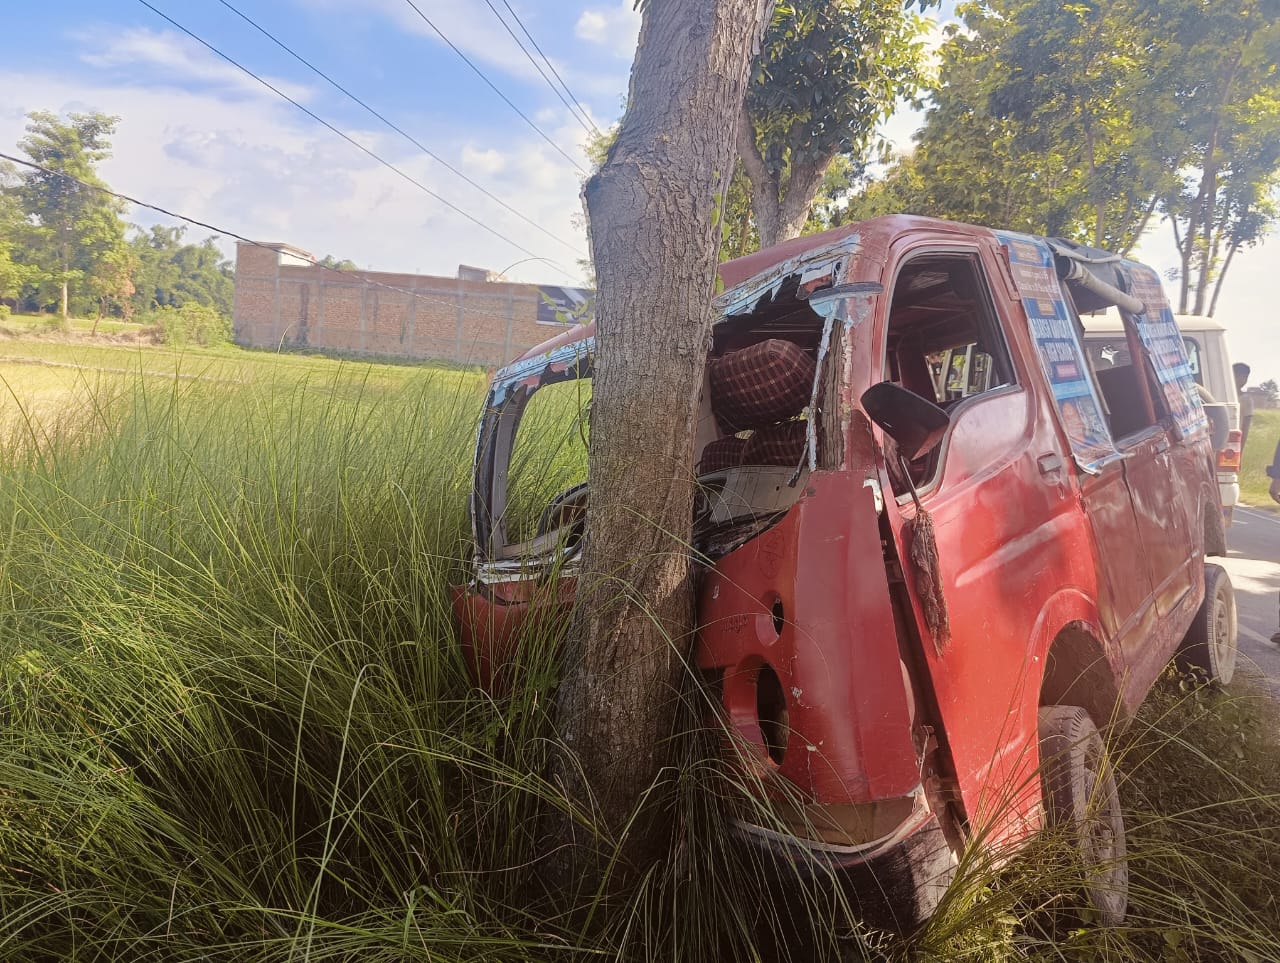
[(235, 723), (1263, 435)]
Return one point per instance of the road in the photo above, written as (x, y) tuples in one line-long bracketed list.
[(1254, 565)]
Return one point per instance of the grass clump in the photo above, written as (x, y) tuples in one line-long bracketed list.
[(235, 724)]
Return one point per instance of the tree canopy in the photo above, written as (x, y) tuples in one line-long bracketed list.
[(63, 244), (1085, 119), (74, 230), (828, 73)]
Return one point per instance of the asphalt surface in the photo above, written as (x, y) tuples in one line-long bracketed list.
[(1253, 542)]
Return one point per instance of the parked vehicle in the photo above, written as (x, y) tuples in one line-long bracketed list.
[(1208, 357), (942, 548)]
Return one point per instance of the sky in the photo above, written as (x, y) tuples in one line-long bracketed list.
[(200, 137)]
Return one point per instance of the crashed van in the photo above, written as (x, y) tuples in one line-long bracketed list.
[(939, 549)]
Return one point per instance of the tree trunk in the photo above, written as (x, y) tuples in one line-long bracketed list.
[(1217, 285), (63, 297), (765, 185), (797, 200), (782, 210), (654, 237)]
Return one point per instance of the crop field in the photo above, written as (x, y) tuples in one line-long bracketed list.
[(235, 724)]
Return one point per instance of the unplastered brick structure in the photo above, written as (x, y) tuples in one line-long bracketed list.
[(284, 299)]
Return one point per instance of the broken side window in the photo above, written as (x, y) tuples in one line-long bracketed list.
[(943, 341)]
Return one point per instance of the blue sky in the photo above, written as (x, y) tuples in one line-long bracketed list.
[(199, 137)]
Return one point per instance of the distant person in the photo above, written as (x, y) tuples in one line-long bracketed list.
[(1273, 472), (1241, 371)]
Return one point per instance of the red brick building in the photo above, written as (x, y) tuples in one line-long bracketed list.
[(283, 299)]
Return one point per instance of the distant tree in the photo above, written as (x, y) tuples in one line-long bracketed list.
[(1219, 69), (1086, 119), (1271, 391), (170, 273), (14, 274), (76, 229), (329, 261), (829, 71)]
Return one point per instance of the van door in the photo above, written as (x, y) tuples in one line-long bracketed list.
[(1001, 516)]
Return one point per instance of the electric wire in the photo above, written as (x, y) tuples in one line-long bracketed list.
[(525, 31), (223, 232), (399, 130), (351, 140), (585, 122), (492, 86)]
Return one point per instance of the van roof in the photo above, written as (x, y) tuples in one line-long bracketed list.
[(1110, 321)]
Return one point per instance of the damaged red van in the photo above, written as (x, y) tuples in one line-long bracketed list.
[(939, 551)]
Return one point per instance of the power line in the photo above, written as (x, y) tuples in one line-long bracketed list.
[(585, 122), (467, 60), (546, 59), (422, 147), (364, 276), (347, 137)]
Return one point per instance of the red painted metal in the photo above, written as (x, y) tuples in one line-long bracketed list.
[(1029, 547), (810, 599)]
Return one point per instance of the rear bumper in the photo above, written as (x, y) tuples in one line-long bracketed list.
[(1229, 488), (896, 883)]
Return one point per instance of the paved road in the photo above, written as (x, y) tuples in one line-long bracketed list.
[(1254, 564)]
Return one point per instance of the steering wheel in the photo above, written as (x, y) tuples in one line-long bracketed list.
[(568, 509)]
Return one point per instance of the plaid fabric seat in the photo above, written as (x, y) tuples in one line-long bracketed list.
[(721, 454), (761, 384), (782, 444)]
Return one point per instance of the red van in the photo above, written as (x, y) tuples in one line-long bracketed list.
[(940, 549)]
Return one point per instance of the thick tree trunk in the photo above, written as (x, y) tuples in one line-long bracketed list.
[(654, 237)]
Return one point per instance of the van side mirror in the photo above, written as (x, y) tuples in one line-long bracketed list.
[(914, 423)]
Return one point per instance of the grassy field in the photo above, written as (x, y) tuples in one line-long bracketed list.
[(236, 725), (1264, 432)]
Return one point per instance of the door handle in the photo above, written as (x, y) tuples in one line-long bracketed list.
[(1049, 464)]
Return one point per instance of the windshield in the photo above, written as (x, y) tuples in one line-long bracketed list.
[(548, 457)]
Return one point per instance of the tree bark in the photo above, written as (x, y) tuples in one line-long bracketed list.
[(1217, 285), (654, 237), (781, 210)]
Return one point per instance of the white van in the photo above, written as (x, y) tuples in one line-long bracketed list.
[(1206, 344)]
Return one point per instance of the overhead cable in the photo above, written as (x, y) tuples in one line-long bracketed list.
[(407, 136), (576, 111), (492, 86), (348, 138)]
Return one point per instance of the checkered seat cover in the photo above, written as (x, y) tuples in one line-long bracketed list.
[(782, 444), (722, 454), (761, 384)]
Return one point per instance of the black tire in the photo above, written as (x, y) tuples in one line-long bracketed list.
[(1210, 645), (1080, 796)]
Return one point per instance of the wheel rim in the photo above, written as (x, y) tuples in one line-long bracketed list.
[(1098, 831), (1221, 642), (1102, 841)]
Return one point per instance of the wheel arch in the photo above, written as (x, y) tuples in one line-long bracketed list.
[(1077, 668)]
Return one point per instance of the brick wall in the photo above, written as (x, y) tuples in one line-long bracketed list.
[(280, 300)]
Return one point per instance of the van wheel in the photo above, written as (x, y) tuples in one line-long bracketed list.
[(1209, 647), (1080, 797)]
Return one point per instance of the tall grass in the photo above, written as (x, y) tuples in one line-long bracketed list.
[(234, 724)]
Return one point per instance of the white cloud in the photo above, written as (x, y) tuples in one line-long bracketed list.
[(259, 168), (176, 57), (614, 28), (482, 161)]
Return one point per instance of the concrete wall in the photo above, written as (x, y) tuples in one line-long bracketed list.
[(282, 302)]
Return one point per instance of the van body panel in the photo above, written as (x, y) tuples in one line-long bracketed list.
[(1064, 499), (810, 599)]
